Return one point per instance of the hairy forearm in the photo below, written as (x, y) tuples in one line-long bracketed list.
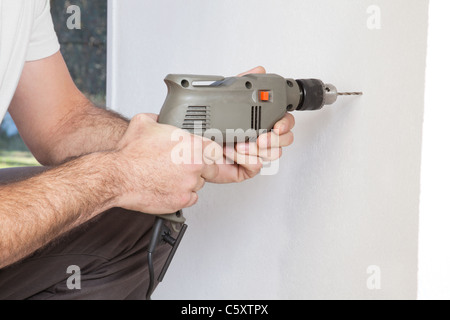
[(85, 130), (35, 211)]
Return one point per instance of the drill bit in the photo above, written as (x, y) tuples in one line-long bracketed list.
[(331, 94), (350, 93)]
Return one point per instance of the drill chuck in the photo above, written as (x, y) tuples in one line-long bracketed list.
[(315, 94)]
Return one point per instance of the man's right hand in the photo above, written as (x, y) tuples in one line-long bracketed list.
[(150, 180)]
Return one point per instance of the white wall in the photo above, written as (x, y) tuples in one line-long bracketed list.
[(434, 256), (347, 193)]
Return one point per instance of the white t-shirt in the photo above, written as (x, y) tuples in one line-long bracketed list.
[(26, 34)]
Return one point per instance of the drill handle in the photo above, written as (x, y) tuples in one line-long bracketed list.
[(175, 218)]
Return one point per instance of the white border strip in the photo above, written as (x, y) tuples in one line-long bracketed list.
[(111, 46), (434, 224)]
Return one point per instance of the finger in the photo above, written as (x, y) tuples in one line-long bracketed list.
[(273, 140), (269, 154), (200, 184), (212, 151), (250, 148), (193, 200), (210, 171), (258, 69), (285, 125), (249, 162)]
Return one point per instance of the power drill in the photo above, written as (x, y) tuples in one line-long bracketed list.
[(233, 109)]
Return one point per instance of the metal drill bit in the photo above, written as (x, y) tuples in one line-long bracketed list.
[(350, 93), (332, 94)]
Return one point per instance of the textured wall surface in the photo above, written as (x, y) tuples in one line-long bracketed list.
[(345, 200)]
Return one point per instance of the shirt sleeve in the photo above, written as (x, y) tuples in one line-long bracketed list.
[(43, 41)]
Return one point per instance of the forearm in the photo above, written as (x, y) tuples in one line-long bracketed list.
[(85, 130), (55, 119), (35, 211)]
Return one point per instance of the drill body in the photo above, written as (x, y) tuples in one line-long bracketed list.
[(238, 109)]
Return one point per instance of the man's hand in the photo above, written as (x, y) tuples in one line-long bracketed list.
[(152, 180), (139, 174), (248, 157)]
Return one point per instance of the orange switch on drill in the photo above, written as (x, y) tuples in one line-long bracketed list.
[(264, 95)]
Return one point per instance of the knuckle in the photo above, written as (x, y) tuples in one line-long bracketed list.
[(286, 140), (191, 183), (193, 199), (182, 200), (256, 168), (273, 154), (290, 138), (259, 167), (274, 140), (200, 184), (139, 122), (263, 140), (195, 168), (293, 120), (174, 206), (279, 153), (139, 118)]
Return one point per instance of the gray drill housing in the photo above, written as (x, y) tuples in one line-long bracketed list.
[(238, 109)]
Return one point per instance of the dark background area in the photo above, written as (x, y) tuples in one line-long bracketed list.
[(84, 50)]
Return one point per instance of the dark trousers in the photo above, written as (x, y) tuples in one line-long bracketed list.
[(109, 252)]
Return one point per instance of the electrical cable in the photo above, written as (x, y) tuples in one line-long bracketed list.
[(161, 234), (155, 239), (151, 275)]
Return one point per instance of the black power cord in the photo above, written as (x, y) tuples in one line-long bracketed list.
[(161, 234)]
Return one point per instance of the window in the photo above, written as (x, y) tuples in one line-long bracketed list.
[(84, 50)]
